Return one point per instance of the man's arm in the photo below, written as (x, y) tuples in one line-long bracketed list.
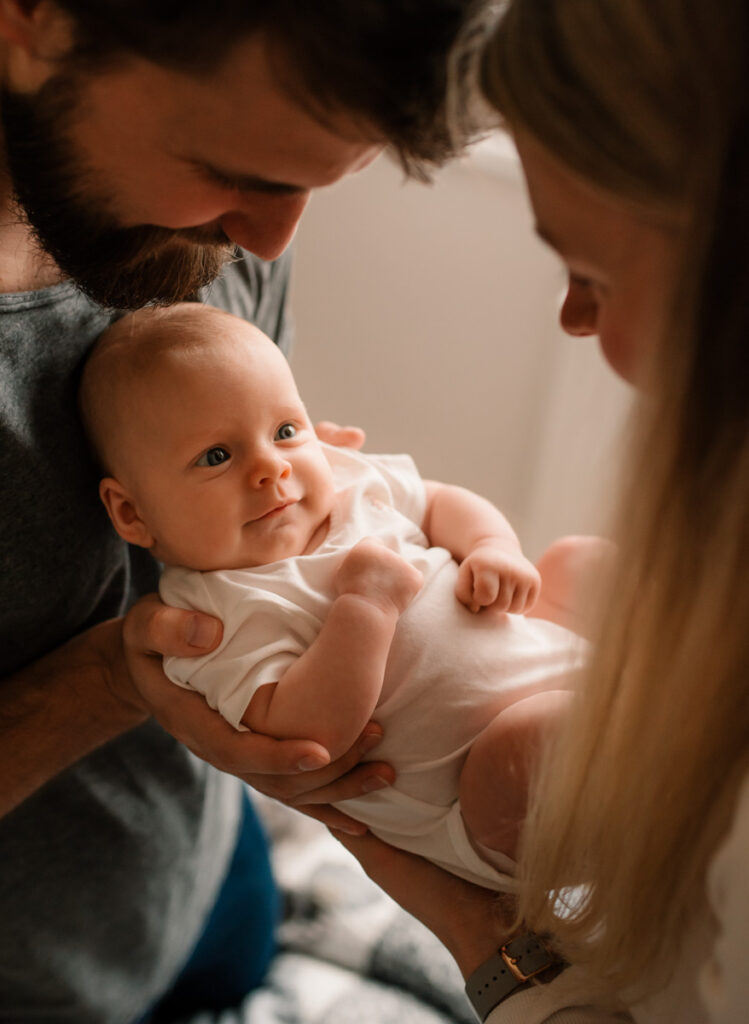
[(109, 680), (58, 709), (329, 693), (493, 569)]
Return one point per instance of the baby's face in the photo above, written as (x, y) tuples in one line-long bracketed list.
[(225, 467)]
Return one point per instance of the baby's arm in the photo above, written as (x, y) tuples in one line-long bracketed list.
[(329, 693), (493, 569)]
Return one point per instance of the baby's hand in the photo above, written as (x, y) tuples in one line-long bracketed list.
[(373, 571), (496, 576)]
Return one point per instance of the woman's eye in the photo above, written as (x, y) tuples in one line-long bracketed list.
[(213, 457), (285, 432), (579, 280)]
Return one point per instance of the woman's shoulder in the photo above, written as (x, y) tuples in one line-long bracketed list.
[(724, 980), (727, 876)]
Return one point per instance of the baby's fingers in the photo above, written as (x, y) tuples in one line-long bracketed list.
[(464, 584), (524, 598), (505, 597), (519, 602), (476, 587), (487, 587)]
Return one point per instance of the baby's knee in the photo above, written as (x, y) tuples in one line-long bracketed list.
[(567, 559)]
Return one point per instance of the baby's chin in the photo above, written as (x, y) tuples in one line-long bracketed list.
[(318, 536)]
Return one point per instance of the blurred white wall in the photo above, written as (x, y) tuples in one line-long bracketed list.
[(427, 315)]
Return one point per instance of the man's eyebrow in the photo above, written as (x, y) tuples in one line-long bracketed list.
[(246, 182)]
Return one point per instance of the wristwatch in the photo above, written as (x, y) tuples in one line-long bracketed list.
[(509, 970)]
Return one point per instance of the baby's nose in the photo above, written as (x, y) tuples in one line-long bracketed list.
[(268, 470)]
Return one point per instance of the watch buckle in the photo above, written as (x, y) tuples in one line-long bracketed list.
[(516, 971)]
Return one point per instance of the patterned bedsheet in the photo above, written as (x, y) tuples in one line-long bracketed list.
[(348, 954)]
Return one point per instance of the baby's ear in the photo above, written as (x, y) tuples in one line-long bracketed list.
[(123, 513)]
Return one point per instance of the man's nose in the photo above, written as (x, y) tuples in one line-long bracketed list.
[(269, 468), (266, 227)]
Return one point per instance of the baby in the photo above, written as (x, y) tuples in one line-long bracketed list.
[(349, 588)]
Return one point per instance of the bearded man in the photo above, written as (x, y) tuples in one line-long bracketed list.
[(152, 152)]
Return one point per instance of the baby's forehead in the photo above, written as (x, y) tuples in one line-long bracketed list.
[(235, 355), (197, 337)]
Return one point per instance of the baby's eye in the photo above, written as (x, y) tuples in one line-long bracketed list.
[(213, 457), (285, 432)]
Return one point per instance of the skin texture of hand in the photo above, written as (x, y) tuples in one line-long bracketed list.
[(497, 577), (297, 772), (470, 921)]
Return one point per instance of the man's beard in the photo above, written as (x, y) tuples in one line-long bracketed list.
[(120, 268)]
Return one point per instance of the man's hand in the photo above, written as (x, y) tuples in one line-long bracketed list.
[(297, 772), (341, 437), (497, 576)]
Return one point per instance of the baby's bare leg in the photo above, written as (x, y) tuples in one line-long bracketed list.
[(495, 781), (573, 570)]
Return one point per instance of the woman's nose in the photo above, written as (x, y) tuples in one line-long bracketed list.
[(579, 313)]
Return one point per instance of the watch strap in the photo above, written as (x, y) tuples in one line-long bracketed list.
[(510, 969)]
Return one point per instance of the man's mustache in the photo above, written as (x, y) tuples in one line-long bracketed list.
[(130, 246)]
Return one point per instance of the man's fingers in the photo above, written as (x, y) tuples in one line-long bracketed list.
[(156, 628), (334, 819), (342, 437), (212, 738), (340, 780), (365, 778), (346, 777)]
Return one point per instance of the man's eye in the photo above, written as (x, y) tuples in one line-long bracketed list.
[(213, 457), (285, 432)]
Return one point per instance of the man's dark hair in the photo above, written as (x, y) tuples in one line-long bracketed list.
[(384, 61)]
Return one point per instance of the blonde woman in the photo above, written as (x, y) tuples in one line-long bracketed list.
[(632, 122)]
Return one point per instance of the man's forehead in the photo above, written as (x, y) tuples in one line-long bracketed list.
[(245, 122)]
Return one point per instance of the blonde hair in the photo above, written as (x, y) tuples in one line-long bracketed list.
[(647, 99)]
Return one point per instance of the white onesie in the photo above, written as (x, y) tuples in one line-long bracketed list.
[(448, 674)]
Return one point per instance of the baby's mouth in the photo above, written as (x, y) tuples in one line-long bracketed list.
[(279, 507)]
